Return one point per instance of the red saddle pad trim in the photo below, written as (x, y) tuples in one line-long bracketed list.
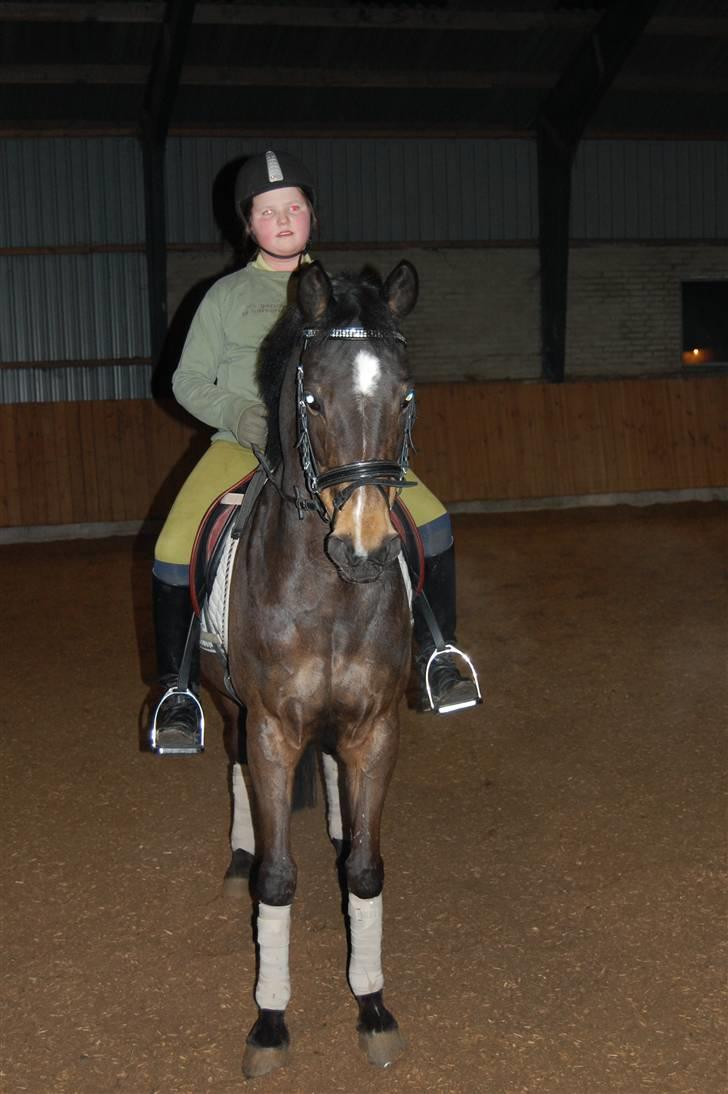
[(409, 533), (211, 528)]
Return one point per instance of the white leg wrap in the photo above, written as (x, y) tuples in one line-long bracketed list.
[(273, 989), (333, 803), (365, 965), (242, 835)]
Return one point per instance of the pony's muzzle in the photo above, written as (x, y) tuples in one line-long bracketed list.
[(355, 564)]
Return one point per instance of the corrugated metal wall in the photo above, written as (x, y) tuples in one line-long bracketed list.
[(74, 383), (380, 191), (58, 192), (85, 196), (377, 191), (649, 190), (73, 271), (71, 307)]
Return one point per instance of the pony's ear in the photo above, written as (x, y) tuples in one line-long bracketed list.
[(401, 288), (314, 292)]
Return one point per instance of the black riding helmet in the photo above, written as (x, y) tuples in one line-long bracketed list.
[(270, 171)]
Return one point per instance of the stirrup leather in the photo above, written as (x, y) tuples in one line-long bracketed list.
[(449, 708), (194, 747)]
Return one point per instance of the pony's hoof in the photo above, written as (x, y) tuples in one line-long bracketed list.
[(383, 1047), (236, 883), (259, 1061)]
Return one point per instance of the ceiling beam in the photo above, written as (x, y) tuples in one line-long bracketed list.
[(231, 76), (151, 11), (137, 11), (592, 70), (163, 78), (228, 76)]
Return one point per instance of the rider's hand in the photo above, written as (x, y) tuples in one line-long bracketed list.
[(252, 427)]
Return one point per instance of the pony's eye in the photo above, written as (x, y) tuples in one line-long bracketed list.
[(311, 402), (407, 399)]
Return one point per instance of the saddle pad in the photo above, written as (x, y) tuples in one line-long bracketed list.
[(210, 539), (214, 610)]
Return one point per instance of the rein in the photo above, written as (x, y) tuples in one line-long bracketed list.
[(385, 474)]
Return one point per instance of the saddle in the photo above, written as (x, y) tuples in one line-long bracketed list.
[(217, 525)]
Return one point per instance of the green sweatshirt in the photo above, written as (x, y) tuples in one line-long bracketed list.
[(216, 376)]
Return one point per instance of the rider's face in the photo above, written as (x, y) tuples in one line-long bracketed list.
[(280, 220)]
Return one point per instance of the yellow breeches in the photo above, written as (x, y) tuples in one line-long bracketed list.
[(223, 464), (422, 503), (226, 463)]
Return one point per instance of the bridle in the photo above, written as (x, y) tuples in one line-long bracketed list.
[(385, 474)]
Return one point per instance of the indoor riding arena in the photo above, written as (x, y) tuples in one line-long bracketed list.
[(554, 904)]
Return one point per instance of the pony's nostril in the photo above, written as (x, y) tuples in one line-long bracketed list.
[(341, 550), (391, 548)]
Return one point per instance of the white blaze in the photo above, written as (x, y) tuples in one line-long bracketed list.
[(366, 372), (358, 503)]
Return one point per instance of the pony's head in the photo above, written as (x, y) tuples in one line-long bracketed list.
[(355, 408)]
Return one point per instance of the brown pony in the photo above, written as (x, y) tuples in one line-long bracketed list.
[(320, 623)]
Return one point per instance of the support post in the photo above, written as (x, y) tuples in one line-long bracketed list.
[(561, 121), (554, 204), (154, 123)]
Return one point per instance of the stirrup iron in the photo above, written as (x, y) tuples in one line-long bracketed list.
[(195, 746), (450, 708)]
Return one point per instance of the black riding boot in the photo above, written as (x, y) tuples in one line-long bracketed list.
[(451, 691), (179, 722)]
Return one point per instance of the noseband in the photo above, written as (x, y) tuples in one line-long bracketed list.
[(386, 474)]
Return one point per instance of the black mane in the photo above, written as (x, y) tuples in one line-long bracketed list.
[(357, 300)]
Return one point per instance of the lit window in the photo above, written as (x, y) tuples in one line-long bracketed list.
[(704, 323)]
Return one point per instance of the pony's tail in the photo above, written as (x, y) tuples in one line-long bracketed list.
[(304, 781)]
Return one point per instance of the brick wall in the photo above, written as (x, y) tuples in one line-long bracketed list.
[(478, 313), (625, 313)]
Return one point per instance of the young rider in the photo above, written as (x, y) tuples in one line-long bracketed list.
[(216, 382)]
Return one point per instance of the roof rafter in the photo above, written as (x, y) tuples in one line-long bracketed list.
[(444, 19), (229, 76)]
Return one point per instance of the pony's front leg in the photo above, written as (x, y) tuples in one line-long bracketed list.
[(369, 765), (272, 765)]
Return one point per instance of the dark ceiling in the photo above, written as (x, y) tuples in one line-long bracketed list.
[(442, 67)]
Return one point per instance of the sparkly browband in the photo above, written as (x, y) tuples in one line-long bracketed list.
[(353, 332)]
